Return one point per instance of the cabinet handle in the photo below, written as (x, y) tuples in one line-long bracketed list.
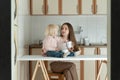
[(47, 8), (99, 51), (96, 9), (77, 9)]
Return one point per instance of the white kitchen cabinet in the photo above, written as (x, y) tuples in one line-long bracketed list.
[(69, 6), (93, 64), (94, 6), (37, 7), (103, 51), (89, 66), (101, 6), (52, 7), (87, 6), (89, 51), (89, 70), (43, 7)]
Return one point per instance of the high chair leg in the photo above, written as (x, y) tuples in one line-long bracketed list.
[(36, 68), (42, 65), (44, 70)]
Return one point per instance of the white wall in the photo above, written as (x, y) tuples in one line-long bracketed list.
[(94, 26), (23, 34)]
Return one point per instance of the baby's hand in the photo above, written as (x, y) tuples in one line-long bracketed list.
[(43, 51), (44, 55), (56, 49)]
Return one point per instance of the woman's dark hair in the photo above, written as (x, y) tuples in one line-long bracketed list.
[(71, 35)]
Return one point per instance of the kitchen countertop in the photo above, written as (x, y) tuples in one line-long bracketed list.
[(91, 45)]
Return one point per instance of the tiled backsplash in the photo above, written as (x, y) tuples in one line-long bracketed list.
[(94, 26)]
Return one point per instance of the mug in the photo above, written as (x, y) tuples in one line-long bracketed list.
[(69, 44)]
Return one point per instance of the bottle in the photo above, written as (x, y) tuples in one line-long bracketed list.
[(81, 41), (81, 36)]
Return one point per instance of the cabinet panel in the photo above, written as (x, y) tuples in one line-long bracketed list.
[(89, 70), (69, 6), (103, 51), (89, 51), (37, 7), (52, 7), (89, 66), (87, 6), (101, 6)]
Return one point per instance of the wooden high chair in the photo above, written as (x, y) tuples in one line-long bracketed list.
[(100, 70), (48, 75), (44, 70), (54, 76), (60, 76)]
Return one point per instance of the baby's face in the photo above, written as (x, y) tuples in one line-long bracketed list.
[(55, 32)]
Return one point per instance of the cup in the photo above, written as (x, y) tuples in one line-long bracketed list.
[(69, 44)]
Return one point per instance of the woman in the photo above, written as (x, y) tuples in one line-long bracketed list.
[(68, 68)]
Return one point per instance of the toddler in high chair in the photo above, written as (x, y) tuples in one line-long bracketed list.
[(50, 44)]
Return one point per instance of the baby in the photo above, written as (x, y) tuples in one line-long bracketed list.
[(49, 46)]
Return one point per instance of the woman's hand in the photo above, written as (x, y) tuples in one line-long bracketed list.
[(56, 49), (71, 49)]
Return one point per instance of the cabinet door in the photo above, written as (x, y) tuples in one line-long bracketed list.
[(89, 66), (89, 51), (52, 7), (37, 7), (69, 6), (87, 6), (101, 6), (103, 51)]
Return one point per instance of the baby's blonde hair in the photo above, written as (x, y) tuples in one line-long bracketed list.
[(51, 29)]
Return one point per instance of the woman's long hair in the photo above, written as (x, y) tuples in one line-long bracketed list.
[(71, 35)]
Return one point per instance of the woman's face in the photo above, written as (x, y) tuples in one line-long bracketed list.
[(64, 30)]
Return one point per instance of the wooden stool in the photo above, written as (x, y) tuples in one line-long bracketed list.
[(41, 64), (55, 76)]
